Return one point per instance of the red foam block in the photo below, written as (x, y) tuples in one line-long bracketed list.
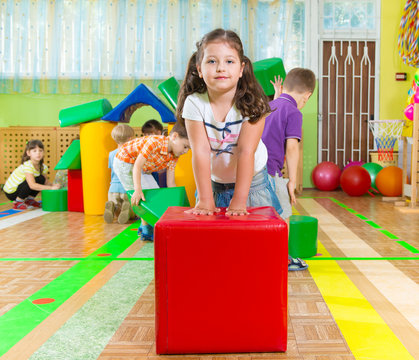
[(75, 191), (221, 282)]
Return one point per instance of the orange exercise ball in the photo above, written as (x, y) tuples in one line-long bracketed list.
[(389, 181)]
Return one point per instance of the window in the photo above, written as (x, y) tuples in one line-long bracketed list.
[(45, 44)]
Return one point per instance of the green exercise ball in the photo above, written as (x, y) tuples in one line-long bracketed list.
[(373, 169)]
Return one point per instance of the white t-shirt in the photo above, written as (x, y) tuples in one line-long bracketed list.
[(223, 138)]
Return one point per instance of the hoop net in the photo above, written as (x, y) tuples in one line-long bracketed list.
[(386, 133)]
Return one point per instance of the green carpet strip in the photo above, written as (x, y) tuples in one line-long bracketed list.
[(24, 317), (87, 333)]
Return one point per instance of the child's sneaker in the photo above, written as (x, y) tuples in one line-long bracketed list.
[(146, 232), (124, 214), (19, 205), (109, 212), (146, 237), (296, 264), (32, 203)]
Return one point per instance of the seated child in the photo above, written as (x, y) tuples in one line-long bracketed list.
[(117, 196), (28, 179), (138, 158)]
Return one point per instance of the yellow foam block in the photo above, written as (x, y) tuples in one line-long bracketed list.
[(95, 144)]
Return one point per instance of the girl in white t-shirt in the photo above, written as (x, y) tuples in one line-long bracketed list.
[(224, 108), (28, 179)]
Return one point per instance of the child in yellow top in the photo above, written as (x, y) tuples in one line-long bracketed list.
[(29, 178)]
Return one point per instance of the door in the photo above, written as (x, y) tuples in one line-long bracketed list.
[(347, 92)]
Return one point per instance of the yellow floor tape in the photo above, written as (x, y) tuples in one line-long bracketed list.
[(365, 332)]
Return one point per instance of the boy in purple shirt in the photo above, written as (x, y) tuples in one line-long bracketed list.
[(281, 135)]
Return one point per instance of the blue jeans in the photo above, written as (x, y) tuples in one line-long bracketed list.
[(261, 193)]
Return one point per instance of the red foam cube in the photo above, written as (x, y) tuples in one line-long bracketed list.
[(75, 191), (221, 282)]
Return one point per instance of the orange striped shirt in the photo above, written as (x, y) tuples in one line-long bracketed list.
[(153, 148)]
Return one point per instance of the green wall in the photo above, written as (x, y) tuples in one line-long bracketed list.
[(43, 109)]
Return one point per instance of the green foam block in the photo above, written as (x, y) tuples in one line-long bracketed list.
[(85, 112), (157, 201), (71, 159), (170, 89), (54, 200), (266, 70), (302, 240)]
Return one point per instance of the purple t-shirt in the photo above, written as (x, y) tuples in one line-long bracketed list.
[(285, 122)]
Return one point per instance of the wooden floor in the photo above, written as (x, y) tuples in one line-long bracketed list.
[(358, 300)]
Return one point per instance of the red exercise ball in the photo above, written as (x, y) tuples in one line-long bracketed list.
[(389, 181), (326, 176), (355, 180)]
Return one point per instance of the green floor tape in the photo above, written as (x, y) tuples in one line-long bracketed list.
[(389, 234), (408, 247), (370, 222), (24, 317), (87, 332), (373, 224), (352, 211)]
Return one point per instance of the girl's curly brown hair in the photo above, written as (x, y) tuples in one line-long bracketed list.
[(249, 99)]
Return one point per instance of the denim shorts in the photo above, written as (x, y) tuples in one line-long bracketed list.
[(279, 184), (261, 193), (124, 172)]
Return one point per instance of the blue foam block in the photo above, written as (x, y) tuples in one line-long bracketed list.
[(141, 96)]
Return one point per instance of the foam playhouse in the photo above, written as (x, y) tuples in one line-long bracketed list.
[(86, 159)]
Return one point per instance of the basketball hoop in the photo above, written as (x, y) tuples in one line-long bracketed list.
[(386, 133)]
